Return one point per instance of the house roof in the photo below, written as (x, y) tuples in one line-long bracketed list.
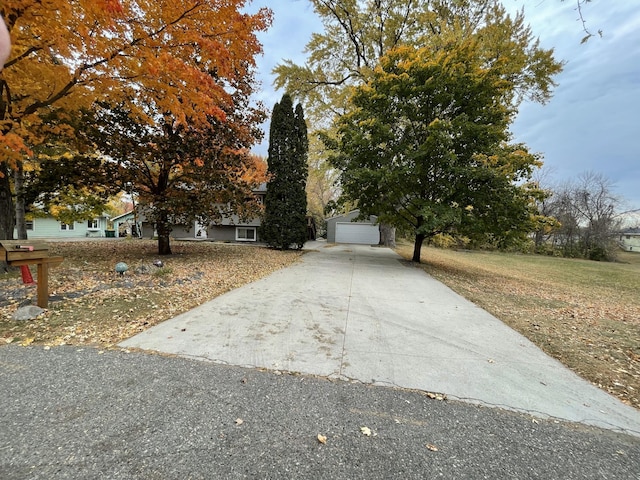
[(119, 217), (357, 211), (631, 231)]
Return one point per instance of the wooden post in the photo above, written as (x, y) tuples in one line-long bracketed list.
[(43, 284), (17, 254)]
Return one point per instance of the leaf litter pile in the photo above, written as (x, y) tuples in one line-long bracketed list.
[(91, 304), (585, 314)]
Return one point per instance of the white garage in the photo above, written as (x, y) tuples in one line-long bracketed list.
[(343, 229), (362, 233)]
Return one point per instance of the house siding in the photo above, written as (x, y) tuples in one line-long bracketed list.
[(122, 224), (48, 227), (224, 230), (177, 231), (227, 233), (630, 240)]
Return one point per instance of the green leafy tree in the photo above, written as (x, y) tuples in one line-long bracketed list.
[(425, 148), (286, 201), (357, 34), (69, 187)]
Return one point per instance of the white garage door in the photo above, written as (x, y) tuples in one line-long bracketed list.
[(363, 233)]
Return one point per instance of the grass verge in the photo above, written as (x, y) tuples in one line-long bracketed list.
[(585, 314)]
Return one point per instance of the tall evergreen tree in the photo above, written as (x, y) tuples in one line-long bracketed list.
[(285, 221)]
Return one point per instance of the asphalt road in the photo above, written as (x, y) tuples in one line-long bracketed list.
[(79, 413)]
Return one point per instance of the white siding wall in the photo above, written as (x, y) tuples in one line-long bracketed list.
[(631, 243)]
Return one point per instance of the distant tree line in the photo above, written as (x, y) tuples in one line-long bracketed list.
[(582, 218)]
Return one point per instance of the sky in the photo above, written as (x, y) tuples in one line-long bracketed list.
[(592, 122)]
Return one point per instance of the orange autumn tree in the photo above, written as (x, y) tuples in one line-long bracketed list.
[(183, 63)]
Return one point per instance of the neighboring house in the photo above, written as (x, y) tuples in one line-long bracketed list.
[(49, 227), (344, 229), (229, 229), (629, 239), (177, 231), (124, 225)]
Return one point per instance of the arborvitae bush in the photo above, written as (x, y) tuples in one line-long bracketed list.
[(285, 224)]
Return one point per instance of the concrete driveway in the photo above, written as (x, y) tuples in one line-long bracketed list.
[(362, 313)]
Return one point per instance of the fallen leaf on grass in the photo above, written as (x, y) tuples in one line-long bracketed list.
[(322, 439), (27, 341)]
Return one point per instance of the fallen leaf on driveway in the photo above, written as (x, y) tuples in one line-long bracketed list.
[(366, 431), (432, 447), (322, 439), (239, 421)]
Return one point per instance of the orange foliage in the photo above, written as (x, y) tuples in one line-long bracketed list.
[(255, 171), (183, 57)]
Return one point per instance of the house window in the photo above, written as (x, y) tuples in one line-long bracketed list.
[(66, 226), (29, 224), (246, 234), (93, 224)]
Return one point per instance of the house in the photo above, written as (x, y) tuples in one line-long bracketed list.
[(232, 229), (345, 229), (125, 225), (49, 227), (135, 224), (229, 229), (629, 239)]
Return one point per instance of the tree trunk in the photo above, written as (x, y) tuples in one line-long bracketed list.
[(164, 246), (18, 183), (7, 213), (417, 247), (387, 235), (163, 228)]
